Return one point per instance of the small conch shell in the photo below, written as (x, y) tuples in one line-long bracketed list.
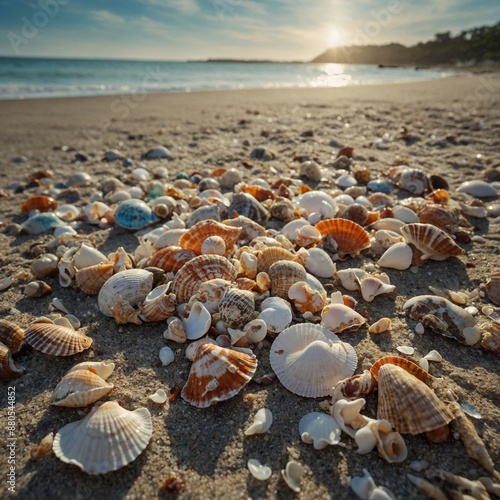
[(37, 288), (258, 471), (292, 474), (11, 335), (353, 387), (91, 279), (158, 304), (198, 322), (319, 429), (347, 415), (338, 317), (175, 331), (261, 423)]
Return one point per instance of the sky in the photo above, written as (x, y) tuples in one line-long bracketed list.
[(246, 29)]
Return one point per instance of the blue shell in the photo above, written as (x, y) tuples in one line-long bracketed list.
[(41, 222), (134, 214), (380, 186)]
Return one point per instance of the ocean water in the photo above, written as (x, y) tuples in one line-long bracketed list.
[(23, 78)]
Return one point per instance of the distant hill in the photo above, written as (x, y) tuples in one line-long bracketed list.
[(474, 46)]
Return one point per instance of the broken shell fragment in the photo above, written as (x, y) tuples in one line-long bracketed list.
[(292, 474), (380, 326), (175, 331), (158, 305), (319, 429), (198, 322), (103, 369), (159, 397), (338, 317), (258, 471), (44, 448), (353, 387), (261, 423)]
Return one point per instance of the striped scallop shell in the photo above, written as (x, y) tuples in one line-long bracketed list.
[(214, 245), (56, 340), (91, 279), (408, 403), (237, 307), (197, 271), (158, 305), (403, 363), (217, 374), (171, 258), (80, 388), (267, 257), (493, 288), (350, 237), (8, 369), (11, 335), (194, 238), (309, 359), (440, 217), (284, 274), (431, 241), (108, 438)]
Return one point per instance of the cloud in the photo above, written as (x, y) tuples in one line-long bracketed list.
[(184, 6), (106, 17)]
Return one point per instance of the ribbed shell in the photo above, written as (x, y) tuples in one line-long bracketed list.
[(410, 406), (431, 241), (237, 307), (194, 238), (246, 205), (158, 305), (284, 274), (350, 237), (41, 203), (309, 359), (133, 214), (403, 363), (80, 388), (56, 340), (91, 279), (440, 217), (214, 244), (171, 258), (11, 335), (8, 369), (492, 288), (269, 256), (217, 374), (108, 438), (197, 271)]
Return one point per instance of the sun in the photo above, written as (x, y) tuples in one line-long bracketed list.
[(334, 38)]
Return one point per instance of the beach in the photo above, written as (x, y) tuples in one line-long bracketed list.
[(451, 130)]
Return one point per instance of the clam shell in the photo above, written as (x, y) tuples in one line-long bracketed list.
[(8, 369), (56, 340), (134, 214), (431, 241), (309, 359), (380, 326), (319, 263), (171, 258), (255, 331), (217, 374), (11, 335), (198, 270), (276, 313), (338, 317), (158, 305), (195, 237), (262, 421), (166, 355), (237, 307), (291, 228), (170, 237), (408, 403), (42, 222), (132, 285), (493, 287), (350, 237), (292, 474), (80, 388), (91, 279), (319, 429), (103, 369), (267, 257), (479, 189), (284, 274), (398, 256), (317, 202), (356, 213), (108, 438), (87, 256)]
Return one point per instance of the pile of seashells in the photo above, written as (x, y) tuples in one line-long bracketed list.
[(226, 265)]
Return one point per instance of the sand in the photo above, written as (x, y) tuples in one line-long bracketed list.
[(205, 449)]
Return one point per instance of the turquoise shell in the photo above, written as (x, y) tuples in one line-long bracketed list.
[(379, 186), (134, 214), (40, 223)]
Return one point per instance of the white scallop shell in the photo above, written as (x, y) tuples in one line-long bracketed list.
[(319, 429), (198, 322), (309, 359), (398, 256), (276, 313), (87, 256), (102, 368), (166, 356), (132, 285), (339, 317), (292, 474), (262, 421), (108, 438), (258, 471), (477, 188), (320, 263), (159, 397)]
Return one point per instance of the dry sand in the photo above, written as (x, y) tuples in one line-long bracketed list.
[(206, 449)]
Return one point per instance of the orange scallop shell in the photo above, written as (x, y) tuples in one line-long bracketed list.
[(260, 193), (171, 258), (90, 279), (403, 363), (351, 238), (270, 255), (41, 202), (198, 270), (193, 239)]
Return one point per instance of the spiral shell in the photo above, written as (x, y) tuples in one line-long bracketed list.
[(158, 305), (195, 237), (237, 307), (413, 180), (11, 335), (350, 237), (91, 279), (43, 266), (284, 274)]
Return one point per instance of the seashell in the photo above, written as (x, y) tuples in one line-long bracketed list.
[(37, 289), (307, 235), (264, 154), (443, 317), (493, 287), (80, 388), (283, 275), (398, 256), (276, 313), (403, 363), (319, 429), (44, 266), (350, 237), (305, 298), (87, 256), (441, 196), (170, 237), (198, 270), (309, 359), (291, 228), (159, 397), (44, 448), (230, 178), (255, 331), (427, 487), (404, 214), (121, 260), (237, 307), (91, 279), (203, 213), (101, 368), (42, 222), (317, 202), (353, 387), (363, 486), (67, 213), (258, 471), (404, 349), (262, 421), (210, 293), (217, 374), (356, 213), (311, 170), (388, 224), (175, 331), (491, 342), (134, 214), (438, 216), (171, 258), (267, 257), (319, 263), (157, 153), (431, 241), (132, 286), (246, 205), (370, 287), (49, 338), (108, 438), (95, 211), (260, 193), (195, 237), (11, 335), (349, 278), (123, 312), (338, 317), (8, 369), (198, 322), (380, 326), (413, 180), (248, 262), (347, 415), (214, 245), (158, 304), (408, 403), (477, 188), (249, 228), (40, 202), (166, 356), (472, 211), (292, 474)]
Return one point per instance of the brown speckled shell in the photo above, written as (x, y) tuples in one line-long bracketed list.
[(193, 239), (403, 363), (11, 335), (41, 202), (197, 271), (284, 274), (237, 307), (171, 258), (440, 217), (90, 279), (8, 369), (493, 288), (356, 213), (351, 238)]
